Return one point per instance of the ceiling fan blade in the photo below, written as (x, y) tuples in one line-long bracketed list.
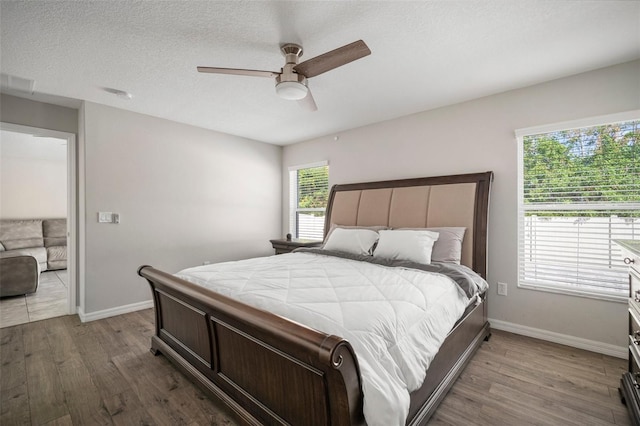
[(308, 102), (237, 71), (333, 59)]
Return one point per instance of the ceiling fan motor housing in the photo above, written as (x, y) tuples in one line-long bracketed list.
[(289, 84)]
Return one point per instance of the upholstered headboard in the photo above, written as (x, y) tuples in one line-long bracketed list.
[(457, 200)]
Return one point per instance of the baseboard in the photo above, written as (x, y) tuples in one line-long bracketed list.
[(119, 310), (563, 339)]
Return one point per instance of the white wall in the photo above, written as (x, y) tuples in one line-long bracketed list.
[(33, 176), (184, 194), (478, 136), (32, 188), (45, 175)]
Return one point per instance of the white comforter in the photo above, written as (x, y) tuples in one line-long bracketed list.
[(395, 318)]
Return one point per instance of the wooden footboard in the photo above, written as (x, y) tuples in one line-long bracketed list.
[(272, 371), (267, 369)]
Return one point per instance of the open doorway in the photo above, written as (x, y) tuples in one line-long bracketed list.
[(38, 191)]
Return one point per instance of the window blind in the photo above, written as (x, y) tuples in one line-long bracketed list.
[(579, 191), (308, 196)]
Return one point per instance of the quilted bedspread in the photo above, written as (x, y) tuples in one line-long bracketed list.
[(395, 318)]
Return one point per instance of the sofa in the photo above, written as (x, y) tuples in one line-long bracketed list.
[(44, 239)]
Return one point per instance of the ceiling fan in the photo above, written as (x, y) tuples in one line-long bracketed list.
[(291, 81)]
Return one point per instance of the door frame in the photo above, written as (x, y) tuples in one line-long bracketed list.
[(72, 203)]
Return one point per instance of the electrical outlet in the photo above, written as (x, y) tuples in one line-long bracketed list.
[(502, 289), (206, 262)]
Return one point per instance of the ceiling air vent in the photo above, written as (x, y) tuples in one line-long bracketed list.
[(12, 83)]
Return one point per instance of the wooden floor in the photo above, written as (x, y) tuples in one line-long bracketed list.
[(62, 372)]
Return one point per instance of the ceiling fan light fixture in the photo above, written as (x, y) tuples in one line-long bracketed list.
[(291, 90)]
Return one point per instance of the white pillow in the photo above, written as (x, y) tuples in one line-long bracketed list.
[(415, 246), (371, 228), (448, 248), (356, 241)]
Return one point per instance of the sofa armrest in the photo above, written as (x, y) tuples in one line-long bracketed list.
[(18, 274)]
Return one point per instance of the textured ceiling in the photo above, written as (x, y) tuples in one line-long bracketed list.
[(424, 55)]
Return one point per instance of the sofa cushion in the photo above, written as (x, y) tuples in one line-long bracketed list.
[(54, 265), (40, 253), (18, 234), (54, 232), (56, 253)]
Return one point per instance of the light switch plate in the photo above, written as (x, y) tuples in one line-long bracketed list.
[(105, 217)]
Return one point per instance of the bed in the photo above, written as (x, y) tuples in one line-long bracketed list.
[(271, 370)]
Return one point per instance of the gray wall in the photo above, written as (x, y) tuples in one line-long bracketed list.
[(477, 136), (38, 114), (185, 195)]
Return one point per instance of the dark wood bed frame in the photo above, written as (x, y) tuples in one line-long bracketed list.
[(270, 370)]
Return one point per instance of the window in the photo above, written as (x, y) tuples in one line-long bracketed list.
[(308, 195), (579, 189)]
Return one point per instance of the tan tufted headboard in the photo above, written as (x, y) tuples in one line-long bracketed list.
[(457, 200)]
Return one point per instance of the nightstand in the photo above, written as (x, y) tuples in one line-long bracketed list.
[(284, 246)]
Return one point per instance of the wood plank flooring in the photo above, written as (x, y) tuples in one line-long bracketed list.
[(63, 372)]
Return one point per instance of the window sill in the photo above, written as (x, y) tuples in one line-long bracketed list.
[(576, 293)]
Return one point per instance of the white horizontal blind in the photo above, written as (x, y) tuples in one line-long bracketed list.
[(309, 192), (579, 191)]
